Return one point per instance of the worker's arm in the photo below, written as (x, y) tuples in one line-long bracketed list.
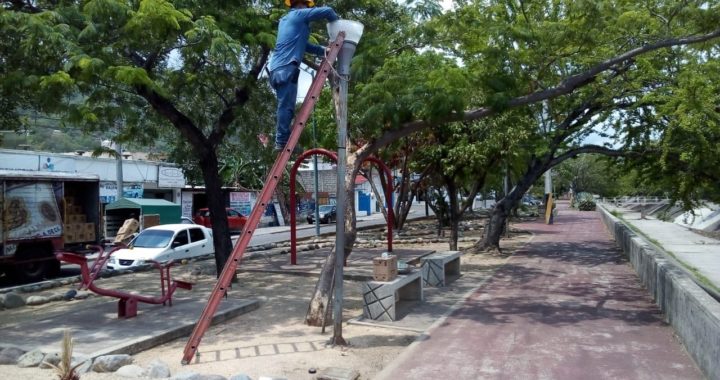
[(318, 13)]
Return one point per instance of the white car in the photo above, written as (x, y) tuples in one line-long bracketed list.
[(164, 243)]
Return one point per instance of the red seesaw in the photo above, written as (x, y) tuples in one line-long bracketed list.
[(127, 306)]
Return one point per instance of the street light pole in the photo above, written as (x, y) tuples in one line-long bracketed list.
[(353, 31)]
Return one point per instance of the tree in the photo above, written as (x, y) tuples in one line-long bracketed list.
[(516, 63), (145, 66)]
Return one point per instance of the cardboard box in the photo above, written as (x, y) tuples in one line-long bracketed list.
[(88, 228), (385, 269), (151, 220), (76, 218), (71, 237), (87, 236), (72, 227)]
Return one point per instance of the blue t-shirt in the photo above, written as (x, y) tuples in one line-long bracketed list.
[(293, 33)]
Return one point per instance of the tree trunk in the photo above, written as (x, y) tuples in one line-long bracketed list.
[(502, 209), (454, 216), (320, 300), (216, 205), (493, 232)]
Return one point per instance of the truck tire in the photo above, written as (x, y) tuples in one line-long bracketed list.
[(44, 264)]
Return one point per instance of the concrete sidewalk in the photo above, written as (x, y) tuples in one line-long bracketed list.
[(568, 306), (692, 249)]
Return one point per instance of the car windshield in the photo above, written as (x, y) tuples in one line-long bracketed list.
[(153, 239), (326, 208)]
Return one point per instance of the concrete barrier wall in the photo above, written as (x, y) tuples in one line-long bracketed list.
[(687, 307)]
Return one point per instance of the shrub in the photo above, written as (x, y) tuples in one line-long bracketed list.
[(586, 205)]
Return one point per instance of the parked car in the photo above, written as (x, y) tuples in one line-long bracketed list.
[(164, 243), (529, 200), (236, 220), (327, 214)]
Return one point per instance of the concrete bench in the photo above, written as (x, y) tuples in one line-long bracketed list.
[(381, 298), (438, 267)]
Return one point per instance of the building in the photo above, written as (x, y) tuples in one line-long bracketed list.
[(366, 202)]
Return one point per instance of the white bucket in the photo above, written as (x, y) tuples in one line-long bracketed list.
[(353, 30)]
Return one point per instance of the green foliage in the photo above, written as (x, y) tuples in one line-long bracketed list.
[(584, 202), (411, 86)]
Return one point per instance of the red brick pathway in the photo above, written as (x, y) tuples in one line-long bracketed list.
[(568, 306)]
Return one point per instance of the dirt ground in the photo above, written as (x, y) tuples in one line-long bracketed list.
[(272, 341)]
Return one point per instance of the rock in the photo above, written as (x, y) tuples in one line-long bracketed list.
[(82, 295), (70, 294), (131, 370), (240, 376), (111, 363), (50, 360), (187, 376), (84, 367), (158, 369), (13, 300), (10, 355), (46, 285), (37, 300), (335, 373), (56, 297), (213, 377), (31, 359)]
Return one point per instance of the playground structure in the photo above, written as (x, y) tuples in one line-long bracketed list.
[(331, 155), (127, 304)]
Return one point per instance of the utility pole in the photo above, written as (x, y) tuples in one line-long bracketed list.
[(548, 197), (315, 172), (353, 31), (119, 171)]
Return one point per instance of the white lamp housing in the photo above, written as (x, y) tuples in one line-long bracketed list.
[(353, 30)]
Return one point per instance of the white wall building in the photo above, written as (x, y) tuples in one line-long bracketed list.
[(141, 178)]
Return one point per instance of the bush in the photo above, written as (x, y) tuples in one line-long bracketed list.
[(586, 205)]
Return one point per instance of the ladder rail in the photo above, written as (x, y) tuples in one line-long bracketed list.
[(271, 183)]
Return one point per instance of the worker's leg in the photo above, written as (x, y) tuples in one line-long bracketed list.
[(284, 80)]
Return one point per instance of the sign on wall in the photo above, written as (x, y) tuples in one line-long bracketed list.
[(170, 177), (108, 191), (242, 201)]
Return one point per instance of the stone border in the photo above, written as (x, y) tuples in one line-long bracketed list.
[(693, 313)]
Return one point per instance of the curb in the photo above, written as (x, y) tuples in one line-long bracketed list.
[(692, 312)]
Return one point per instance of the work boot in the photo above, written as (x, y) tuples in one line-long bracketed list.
[(297, 151)]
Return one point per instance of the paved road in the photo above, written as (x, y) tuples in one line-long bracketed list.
[(264, 236), (568, 306)]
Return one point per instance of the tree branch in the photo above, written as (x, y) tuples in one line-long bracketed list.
[(588, 149), (566, 86), (182, 123), (242, 95)]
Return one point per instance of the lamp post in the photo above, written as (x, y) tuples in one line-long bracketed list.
[(353, 31)]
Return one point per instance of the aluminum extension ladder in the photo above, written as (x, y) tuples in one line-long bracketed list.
[(271, 183)]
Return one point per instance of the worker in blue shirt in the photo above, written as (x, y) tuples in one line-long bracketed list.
[(292, 43)]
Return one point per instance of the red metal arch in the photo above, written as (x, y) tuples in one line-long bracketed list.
[(331, 155)]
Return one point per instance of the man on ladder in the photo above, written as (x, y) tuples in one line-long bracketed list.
[(292, 43)]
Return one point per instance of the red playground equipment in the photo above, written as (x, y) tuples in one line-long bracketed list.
[(127, 306), (333, 156)]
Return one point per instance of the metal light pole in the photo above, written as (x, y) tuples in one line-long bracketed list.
[(119, 171), (548, 197), (315, 172), (353, 31)]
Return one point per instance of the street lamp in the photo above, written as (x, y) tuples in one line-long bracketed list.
[(353, 31)]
